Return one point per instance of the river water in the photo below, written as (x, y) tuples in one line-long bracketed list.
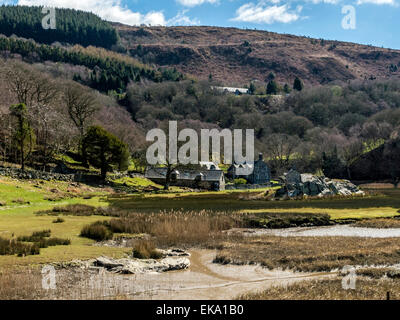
[(331, 231)]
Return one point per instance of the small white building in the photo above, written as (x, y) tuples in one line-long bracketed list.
[(237, 91)]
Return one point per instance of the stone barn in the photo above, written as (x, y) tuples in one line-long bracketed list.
[(257, 172), (197, 179)]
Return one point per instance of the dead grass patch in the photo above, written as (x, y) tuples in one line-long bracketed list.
[(176, 227), (379, 273), (331, 289), (311, 254), (378, 223), (26, 284), (146, 250)]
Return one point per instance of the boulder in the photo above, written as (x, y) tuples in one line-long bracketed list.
[(131, 266), (135, 266), (108, 263), (293, 177), (175, 253), (172, 264), (315, 186)]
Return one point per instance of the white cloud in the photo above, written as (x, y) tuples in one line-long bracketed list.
[(193, 3), (181, 19), (378, 2), (110, 10), (325, 1), (262, 13)]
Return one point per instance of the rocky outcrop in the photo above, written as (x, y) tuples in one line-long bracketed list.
[(135, 266), (314, 186), (174, 260)]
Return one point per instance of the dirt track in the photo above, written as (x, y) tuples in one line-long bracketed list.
[(205, 280)]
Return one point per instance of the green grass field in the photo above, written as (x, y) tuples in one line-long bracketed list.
[(385, 204), (18, 219), (19, 200)]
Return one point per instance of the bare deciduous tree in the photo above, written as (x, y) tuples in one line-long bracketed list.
[(28, 85), (351, 152), (81, 106), (281, 149)]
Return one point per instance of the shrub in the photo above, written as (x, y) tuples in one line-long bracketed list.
[(75, 210), (97, 231), (36, 236), (146, 250), (39, 240), (240, 181), (52, 242), (78, 210), (55, 197), (42, 234), (59, 220), (12, 247), (286, 220), (20, 201)]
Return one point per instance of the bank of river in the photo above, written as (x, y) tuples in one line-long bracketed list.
[(330, 231)]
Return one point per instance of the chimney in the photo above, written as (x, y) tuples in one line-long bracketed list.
[(260, 157)]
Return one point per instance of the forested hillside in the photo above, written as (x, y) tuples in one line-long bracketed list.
[(74, 27), (324, 127), (315, 128), (45, 117), (108, 70)]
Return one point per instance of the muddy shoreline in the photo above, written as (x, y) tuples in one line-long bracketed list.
[(324, 231), (204, 280)]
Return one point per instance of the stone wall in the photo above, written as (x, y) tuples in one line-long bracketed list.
[(206, 185), (33, 174), (247, 186), (73, 177)]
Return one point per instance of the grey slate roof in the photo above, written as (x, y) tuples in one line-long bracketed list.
[(209, 165), (244, 169)]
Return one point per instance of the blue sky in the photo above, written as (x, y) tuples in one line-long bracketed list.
[(377, 22)]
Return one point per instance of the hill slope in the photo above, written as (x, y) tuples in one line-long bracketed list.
[(237, 56), (72, 26)]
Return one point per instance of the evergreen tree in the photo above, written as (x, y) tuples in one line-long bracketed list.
[(72, 26), (110, 65), (298, 84), (332, 165), (272, 87), (105, 151), (286, 88), (271, 76), (252, 88)]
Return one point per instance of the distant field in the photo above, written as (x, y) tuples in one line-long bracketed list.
[(385, 204)]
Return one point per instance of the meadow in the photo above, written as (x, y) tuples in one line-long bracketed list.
[(191, 220), (22, 199), (378, 204)]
